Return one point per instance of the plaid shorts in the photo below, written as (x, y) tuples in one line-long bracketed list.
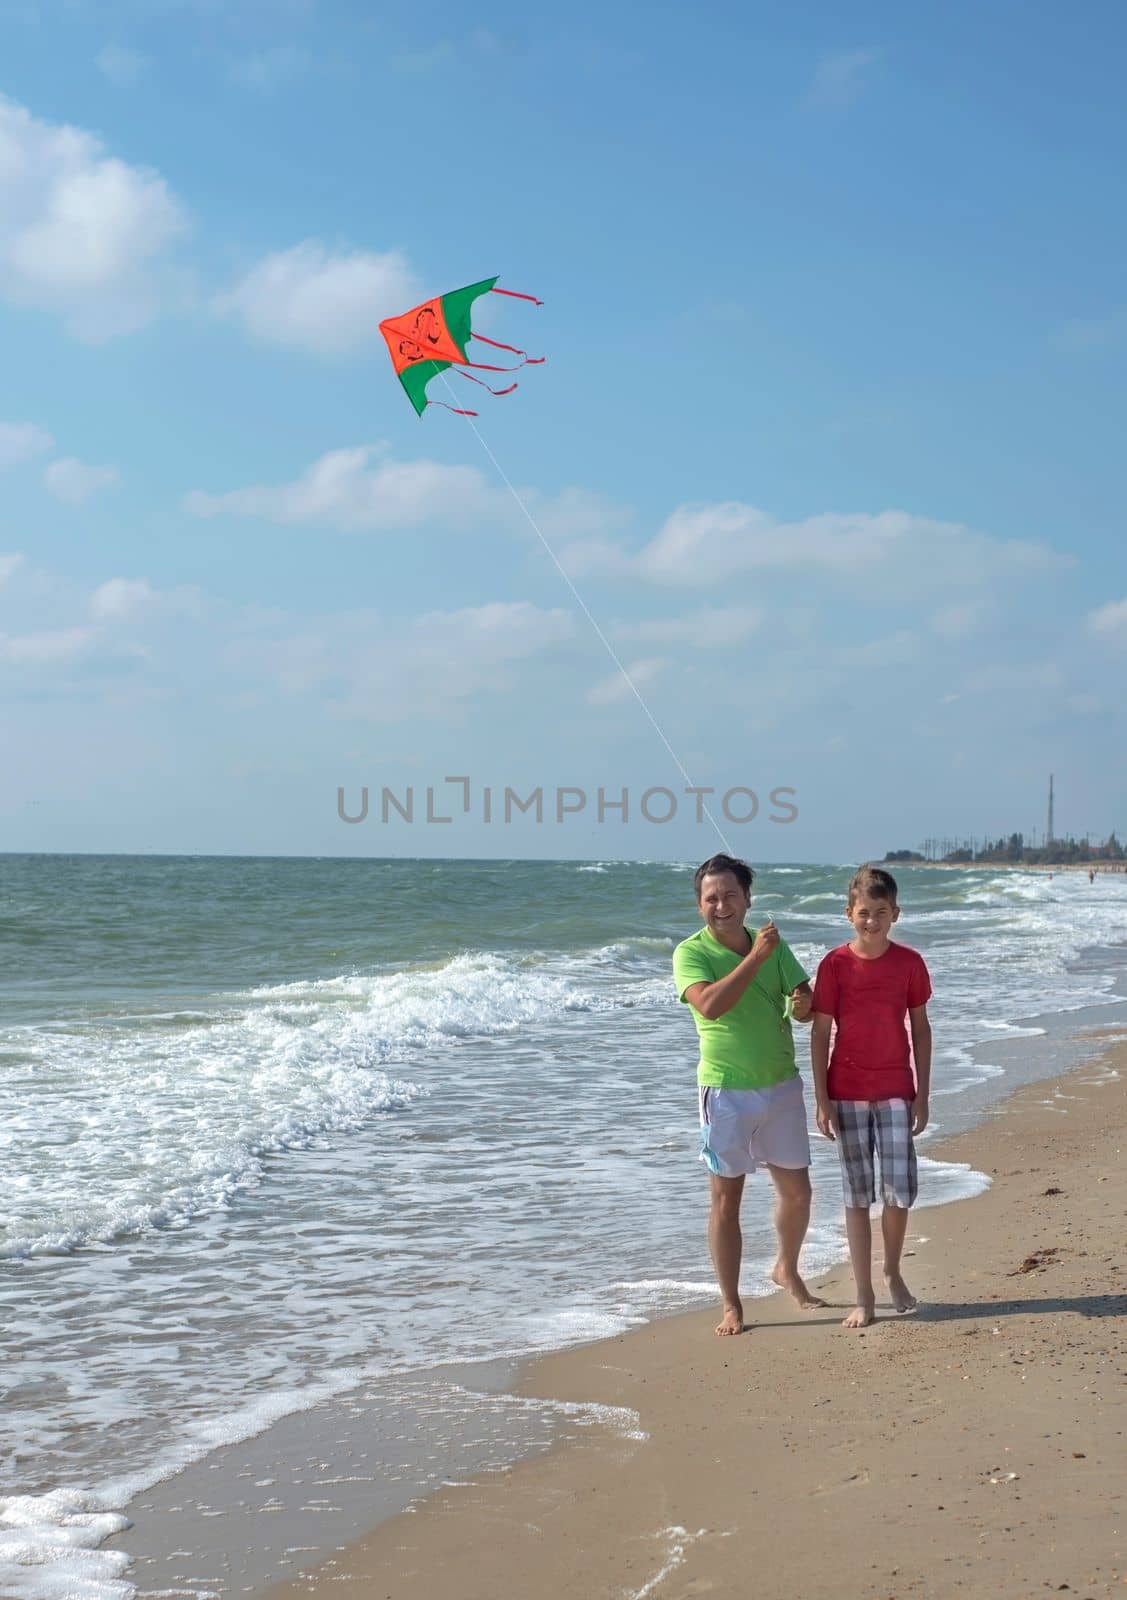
[(886, 1127)]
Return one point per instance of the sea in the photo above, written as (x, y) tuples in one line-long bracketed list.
[(331, 1146)]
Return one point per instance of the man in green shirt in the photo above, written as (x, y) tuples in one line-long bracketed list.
[(743, 990)]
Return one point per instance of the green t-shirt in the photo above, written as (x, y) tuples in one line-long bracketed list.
[(750, 1046)]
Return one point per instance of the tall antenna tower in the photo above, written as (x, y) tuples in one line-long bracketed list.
[(1050, 835)]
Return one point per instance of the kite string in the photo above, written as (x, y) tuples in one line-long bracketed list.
[(585, 608)]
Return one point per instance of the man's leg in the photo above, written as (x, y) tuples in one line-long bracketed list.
[(893, 1227), (725, 1241), (859, 1232), (792, 1218)]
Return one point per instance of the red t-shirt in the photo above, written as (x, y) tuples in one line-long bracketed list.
[(870, 1001)]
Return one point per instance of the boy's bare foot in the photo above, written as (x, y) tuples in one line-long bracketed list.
[(731, 1322), (899, 1293), (861, 1316), (795, 1286)]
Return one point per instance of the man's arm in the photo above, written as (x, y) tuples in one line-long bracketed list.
[(820, 1060), (921, 1054), (712, 1000)]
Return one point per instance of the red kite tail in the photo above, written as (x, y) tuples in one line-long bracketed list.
[(513, 295), (457, 410), (469, 377), (529, 361)]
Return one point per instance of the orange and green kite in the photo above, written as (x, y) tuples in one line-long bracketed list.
[(432, 337)]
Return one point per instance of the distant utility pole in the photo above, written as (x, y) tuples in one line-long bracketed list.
[(1049, 836)]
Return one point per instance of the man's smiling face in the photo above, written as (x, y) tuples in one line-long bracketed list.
[(723, 904)]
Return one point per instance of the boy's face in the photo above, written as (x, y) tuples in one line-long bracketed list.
[(872, 916)]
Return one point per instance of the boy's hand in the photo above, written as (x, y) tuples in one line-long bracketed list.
[(827, 1120), (801, 1004), (920, 1115)]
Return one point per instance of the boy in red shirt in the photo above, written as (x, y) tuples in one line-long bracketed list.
[(867, 1096)]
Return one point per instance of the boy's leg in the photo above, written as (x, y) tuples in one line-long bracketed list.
[(898, 1182), (855, 1143), (859, 1232), (725, 1241), (893, 1227)]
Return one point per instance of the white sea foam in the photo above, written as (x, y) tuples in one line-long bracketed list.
[(943, 1182), (50, 1548), (157, 1129)]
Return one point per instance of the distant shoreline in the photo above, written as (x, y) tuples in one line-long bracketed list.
[(1015, 866)]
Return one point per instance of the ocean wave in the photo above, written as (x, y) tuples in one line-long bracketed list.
[(151, 1142), (151, 1127)]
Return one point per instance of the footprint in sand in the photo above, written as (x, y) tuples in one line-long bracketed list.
[(855, 1480)]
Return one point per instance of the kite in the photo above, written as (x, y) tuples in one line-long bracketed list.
[(429, 338)]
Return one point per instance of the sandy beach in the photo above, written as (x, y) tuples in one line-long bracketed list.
[(976, 1447)]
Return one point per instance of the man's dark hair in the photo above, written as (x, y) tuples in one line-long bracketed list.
[(722, 863), (875, 882)]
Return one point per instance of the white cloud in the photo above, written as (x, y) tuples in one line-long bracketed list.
[(600, 557), (840, 79), (309, 299), (122, 599), (361, 489), (452, 656), (81, 232), (613, 690), (134, 600), (8, 565), (710, 628), (956, 621), (20, 441), (271, 68), (120, 65), (892, 650), (698, 543), (1021, 679), (74, 482), (499, 631), (365, 489), (430, 667), (45, 649), (575, 514), (1110, 619), (702, 545)]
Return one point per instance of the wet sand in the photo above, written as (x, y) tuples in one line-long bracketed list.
[(975, 1447)]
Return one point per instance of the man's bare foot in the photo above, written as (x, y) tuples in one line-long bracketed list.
[(861, 1316), (795, 1286), (899, 1293), (731, 1322)]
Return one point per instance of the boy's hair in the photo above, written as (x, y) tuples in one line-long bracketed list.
[(874, 881), (722, 863)]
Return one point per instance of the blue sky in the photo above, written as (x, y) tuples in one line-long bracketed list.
[(828, 441)]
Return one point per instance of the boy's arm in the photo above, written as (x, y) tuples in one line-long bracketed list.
[(921, 1054), (820, 1059), (802, 1002)]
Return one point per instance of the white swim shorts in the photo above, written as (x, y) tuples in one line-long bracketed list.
[(744, 1129)]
